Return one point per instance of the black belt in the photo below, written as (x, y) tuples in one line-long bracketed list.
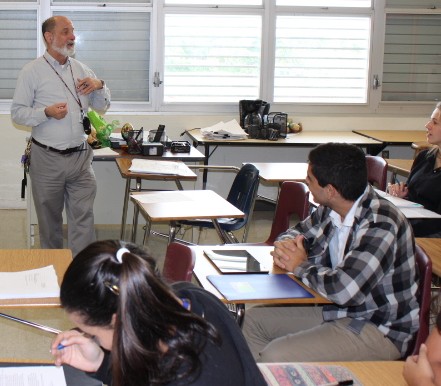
[(65, 151)]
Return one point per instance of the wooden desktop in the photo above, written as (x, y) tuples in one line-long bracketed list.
[(14, 260)]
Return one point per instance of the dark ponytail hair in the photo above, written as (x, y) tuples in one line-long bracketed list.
[(156, 341)]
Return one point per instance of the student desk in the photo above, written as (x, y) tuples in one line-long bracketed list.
[(281, 171), (278, 172), (432, 246), (302, 139), (203, 267), (123, 167), (173, 206), (375, 373), (393, 137), (14, 260), (399, 166)]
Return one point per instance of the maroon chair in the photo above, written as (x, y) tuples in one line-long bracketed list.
[(293, 200), (377, 171), (178, 263), (424, 295)]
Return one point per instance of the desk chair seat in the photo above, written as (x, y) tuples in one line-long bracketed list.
[(242, 195), (424, 296), (178, 263), (377, 171)]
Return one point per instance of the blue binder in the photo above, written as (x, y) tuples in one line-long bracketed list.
[(257, 286)]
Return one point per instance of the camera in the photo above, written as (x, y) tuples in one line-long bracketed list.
[(180, 147)]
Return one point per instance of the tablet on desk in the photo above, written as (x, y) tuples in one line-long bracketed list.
[(233, 261)]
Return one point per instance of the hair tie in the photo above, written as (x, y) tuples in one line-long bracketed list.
[(120, 252)]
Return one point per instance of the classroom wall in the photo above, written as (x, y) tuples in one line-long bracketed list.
[(111, 186)]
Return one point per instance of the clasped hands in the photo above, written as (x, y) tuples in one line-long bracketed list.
[(398, 190), (289, 253)]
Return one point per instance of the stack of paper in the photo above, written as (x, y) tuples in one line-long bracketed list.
[(174, 168), (35, 283), (230, 130)]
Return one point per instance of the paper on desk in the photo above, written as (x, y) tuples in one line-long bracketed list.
[(34, 283), (225, 130), (105, 151), (160, 167), (397, 201), (32, 376), (160, 197)]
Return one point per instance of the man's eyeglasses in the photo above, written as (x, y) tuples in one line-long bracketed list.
[(86, 125)]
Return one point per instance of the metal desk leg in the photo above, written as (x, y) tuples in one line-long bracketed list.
[(172, 231), (148, 227), (125, 205), (134, 223), (221, 233), (238, 309)]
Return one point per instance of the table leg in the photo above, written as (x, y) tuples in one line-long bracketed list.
[(172, 231), (179, 185), (135, 222), (148, 227), (221, 233), (125, 205)]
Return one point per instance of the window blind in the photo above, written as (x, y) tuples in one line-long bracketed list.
[(321, 59), (412, 62), (18, 45), (211, 58), (116, 46)]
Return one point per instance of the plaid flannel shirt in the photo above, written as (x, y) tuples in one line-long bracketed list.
[(377, 280)]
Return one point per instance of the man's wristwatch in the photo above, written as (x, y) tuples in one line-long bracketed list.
[(102, 83)]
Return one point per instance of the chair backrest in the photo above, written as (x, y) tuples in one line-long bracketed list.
[(424, 295), (178, 263), (293, 200), (377, 171), (243, 192)]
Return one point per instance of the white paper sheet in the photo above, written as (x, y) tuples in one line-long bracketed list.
[(31, 284), (32, 376), (160, 167)]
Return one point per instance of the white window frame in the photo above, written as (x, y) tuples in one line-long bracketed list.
[(268, 11)]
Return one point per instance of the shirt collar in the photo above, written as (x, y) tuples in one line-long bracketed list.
[(349, 219)]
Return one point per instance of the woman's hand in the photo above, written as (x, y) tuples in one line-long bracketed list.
[(417, 370), (398, 190), (79, 350)]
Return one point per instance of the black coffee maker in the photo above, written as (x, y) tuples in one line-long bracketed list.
[(251, 111)]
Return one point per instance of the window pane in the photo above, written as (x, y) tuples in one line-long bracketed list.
[(206, 61), (325, 3), (107, 1), (18, 46), (423, 4), (213, 2), (412, 70), (116, 46), (322, 59)]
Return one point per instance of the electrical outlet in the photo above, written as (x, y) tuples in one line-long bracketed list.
[(385, 154)]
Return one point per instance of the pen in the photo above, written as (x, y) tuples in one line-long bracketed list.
[(35, 325), (338, 383)]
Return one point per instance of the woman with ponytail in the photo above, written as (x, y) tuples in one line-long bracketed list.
[(133, 329)]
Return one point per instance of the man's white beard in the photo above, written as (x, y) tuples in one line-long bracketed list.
[(64, 50)]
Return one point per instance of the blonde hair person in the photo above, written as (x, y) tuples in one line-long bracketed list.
[(424, 182)]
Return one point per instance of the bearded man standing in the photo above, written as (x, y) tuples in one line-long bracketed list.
[(53, 95)]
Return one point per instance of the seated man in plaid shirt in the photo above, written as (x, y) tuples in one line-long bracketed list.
[(357, 250)]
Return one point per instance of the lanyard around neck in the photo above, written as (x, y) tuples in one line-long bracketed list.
[(77, 98)]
